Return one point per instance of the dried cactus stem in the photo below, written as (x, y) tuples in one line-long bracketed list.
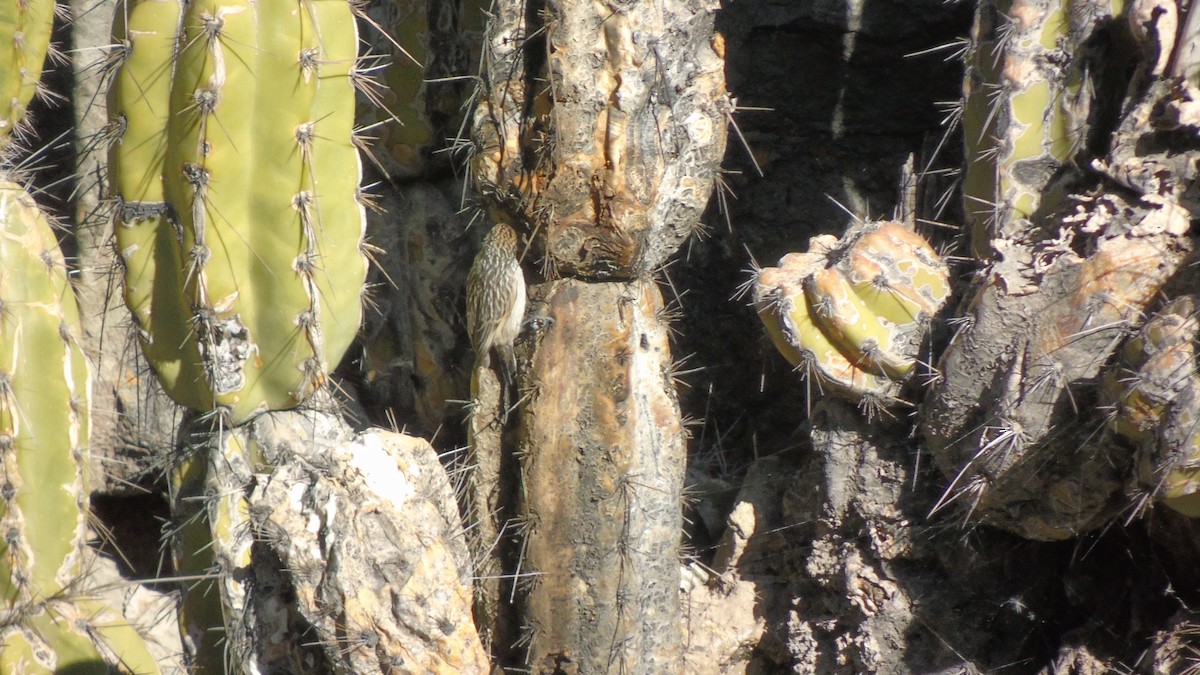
[(602, 467)]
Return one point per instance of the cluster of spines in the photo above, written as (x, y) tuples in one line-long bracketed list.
[(853, 313), (46, 625), (241, 229)]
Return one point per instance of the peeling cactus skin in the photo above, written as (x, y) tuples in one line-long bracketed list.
[(1026, 107), (1155, 368), (1022, 421), (1008, 422), (247, 283), (853, 314), (610, 150), (24, 43)]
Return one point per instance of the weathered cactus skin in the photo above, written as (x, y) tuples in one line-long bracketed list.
[(45, 392), (610, 174), (25, 27), (296, 504), (1155, 366), (256, 295), (1026, 106), (1014, 423), (1172, 474), (1155, 397), (853, 314)]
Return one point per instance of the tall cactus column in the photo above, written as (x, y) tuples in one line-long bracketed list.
[(599, 135)]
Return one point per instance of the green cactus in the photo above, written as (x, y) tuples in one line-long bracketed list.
[(44, 393), (252, 294), (45, 389), (853, 313), (400, 121), (24, 43)]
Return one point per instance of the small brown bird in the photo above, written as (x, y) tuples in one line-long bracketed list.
[(496, 300)]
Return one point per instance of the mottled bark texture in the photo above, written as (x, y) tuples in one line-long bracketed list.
[(602, 459), (598, 135), (600, 126), (338, 551)]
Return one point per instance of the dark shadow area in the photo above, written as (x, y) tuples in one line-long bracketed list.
[(830, 106), (132, 535)]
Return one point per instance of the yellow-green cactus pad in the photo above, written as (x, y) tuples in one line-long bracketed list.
[(780, 302), (25, 27), (73, 636), (251, 293), (45, 387), (854, 311), (855, 329), (48, 643)]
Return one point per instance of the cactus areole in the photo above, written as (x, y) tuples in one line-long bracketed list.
[(240, 225)]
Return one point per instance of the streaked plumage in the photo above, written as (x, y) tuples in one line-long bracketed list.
[(496, 298)]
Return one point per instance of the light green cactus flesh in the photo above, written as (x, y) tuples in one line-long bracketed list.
[(25, 27), (781, 304), (45, 386), (1026, 106), (252, 294), (138, 103), (74, 636), (201, 617), (49, 644)]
